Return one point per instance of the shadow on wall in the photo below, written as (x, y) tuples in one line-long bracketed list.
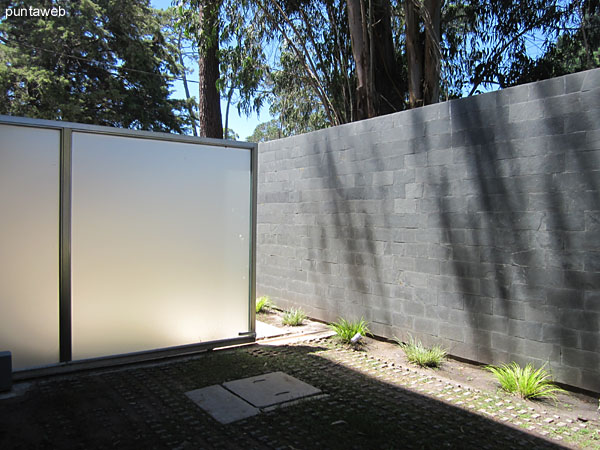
[(474, 222), (533, 204), (347, 228)]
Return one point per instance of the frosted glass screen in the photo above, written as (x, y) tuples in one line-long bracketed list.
[(160, 244), (29, 204)]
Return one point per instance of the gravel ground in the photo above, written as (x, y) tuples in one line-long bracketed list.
[(369, 403)]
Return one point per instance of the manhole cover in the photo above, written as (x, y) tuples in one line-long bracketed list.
[(236, 400), (221, 404), (270, 389)]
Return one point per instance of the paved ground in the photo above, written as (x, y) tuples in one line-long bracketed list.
[(369, 404)]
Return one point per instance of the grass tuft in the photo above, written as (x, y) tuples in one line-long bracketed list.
[(346, 329), (263, 304), (294, 317), (418, 354), (528, 382)]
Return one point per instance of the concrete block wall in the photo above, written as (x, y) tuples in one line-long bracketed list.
[(473, 223)]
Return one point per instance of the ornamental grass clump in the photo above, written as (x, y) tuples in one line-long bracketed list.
[(294, 317), (263, 304), (528, 382), (346, 329), (418, 354)]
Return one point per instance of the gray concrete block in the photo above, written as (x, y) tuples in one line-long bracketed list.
[(584, 162), (451, 300), (590, 380), (589, 341), (531, 110), (547, 88), (488, 322), (591, 99), (452, 332), (426, 326), (592, 301), (591, 80), (552, 126), (526, 330), (478, 304), (565, 298), (508, 344), (580, 320), (580, 359), (582, 280), (506, 308), (557, 334), (582, 121)]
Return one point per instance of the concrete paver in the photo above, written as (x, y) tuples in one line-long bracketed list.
[(365, 403)]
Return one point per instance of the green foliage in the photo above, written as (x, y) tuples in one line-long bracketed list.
[(418, 354), (485, 42), (298, 109), (266, 131), (293, 317), (103, 62), (263, 304), (230, 134), (527, 382), (346, 330), (572, 51)]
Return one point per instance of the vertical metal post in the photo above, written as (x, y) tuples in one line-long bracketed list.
[(253, 197), (65, 329)]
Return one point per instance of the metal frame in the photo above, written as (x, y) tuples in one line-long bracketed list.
[(65, 335), (65, 329)]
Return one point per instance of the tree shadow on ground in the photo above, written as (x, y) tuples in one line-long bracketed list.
[(145, 406)]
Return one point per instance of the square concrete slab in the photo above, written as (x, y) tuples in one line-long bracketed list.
[(271, 389), (221, 404)]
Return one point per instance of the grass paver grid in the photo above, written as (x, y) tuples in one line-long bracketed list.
[(368, 404)]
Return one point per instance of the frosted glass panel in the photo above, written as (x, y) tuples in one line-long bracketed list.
[(160, 244), (29, 201)]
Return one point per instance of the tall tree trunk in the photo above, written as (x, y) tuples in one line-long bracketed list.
[(386, 71), (357, 22), (414, 55), (209, 100), (370, 26), (431, 81)]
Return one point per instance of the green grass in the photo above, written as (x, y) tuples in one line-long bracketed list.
[(294, 317), (418, 354), (527, 382), (346, 329), (263, 304)]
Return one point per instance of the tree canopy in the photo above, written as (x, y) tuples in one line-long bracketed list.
[(316, 63), (103, 62), (344, 60)]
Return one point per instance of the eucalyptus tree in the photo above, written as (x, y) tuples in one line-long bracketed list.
[(578, 48), (229, 39), (336, 61), (485, 43)]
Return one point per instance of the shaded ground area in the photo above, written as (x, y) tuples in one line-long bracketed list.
[(368, 404)]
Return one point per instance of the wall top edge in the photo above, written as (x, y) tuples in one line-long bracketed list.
[(99, 129), (577, 81)]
